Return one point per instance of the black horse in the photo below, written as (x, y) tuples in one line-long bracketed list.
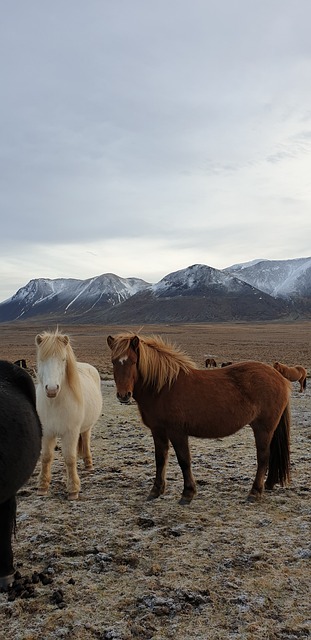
[(20, 445)]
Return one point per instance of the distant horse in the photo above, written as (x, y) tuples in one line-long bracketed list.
[(225, 364), (20, 444), (69, 403), (294, 374), (21, 363), (210, 362), (177, 400)]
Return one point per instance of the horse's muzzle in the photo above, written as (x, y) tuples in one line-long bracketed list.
[(126, 399), (51, 392)]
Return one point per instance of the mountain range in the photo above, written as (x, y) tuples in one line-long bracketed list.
[(260, 290)]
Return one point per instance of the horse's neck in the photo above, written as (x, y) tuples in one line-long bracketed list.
[(140, 390), (72, 379)]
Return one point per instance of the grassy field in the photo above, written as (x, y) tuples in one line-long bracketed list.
[(123, 568)]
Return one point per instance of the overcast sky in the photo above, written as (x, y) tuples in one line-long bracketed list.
[(138, 137)]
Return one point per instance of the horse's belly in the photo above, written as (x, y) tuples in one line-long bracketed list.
[(93, 403), (203, 426), (220, 431)]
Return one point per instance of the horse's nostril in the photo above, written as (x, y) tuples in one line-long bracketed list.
[(126, 396)]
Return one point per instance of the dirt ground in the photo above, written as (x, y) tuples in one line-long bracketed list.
[(120, 567)]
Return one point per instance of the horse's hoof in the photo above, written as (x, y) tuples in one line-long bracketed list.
[(89, 468), (269, 487), (253, 497), (42, 492), (156, 492), (73, 496), (152, 496), (185, 500)]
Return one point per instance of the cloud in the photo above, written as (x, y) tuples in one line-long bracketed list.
[(152, 134)]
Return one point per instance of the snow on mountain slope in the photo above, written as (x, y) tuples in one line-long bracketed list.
[(197, 277), (68, 296), (262, 289), (278, 278)]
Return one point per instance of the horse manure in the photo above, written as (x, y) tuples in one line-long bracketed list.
[(145, 522), (57, 597), (21, 588), (35, 578)]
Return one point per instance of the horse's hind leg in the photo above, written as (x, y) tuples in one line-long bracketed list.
[(302, 383), (262, 439), (7, 525), (86, 450), (161, 446), (47, 455), (181, 447), (69, 450)]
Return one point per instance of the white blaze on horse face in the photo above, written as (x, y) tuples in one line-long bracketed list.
[(51, 373), (123, 359)]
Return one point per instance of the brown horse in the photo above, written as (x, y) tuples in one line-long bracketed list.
[(210, 362), (294, 374), (177, 400)]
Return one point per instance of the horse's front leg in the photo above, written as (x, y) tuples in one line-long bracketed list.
[(47, 456), (7, 524), (70, 449), (181, 447), (161, 446)]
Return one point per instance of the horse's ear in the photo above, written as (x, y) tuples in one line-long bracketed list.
[(134, 343), (110, 341), (38, 339), (65, 339)]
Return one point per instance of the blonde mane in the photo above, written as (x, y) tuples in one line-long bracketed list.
[(159, 362), (57, 344)]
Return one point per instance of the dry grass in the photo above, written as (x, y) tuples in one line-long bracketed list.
[(221, 568)]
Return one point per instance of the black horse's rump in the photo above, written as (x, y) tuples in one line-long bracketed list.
[(20, 445)]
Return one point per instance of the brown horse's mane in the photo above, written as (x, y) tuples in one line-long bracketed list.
[(58, 344), (159, 361)]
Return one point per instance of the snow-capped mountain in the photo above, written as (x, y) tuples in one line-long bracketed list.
[(69, 297), (198, 293), (260, 290), (278, 278)]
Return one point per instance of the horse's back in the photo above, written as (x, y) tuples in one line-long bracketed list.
[(292, 373), (303, 372), (20, 428), (87, 371), (248, 383)]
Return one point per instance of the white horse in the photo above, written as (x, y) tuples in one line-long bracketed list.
[(69, 403)]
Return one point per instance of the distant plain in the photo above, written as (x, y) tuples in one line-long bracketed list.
[(286, 342)]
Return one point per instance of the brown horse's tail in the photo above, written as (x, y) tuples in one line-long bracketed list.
[(279, 461)]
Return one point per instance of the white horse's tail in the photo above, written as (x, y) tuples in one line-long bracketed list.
[(80, 447)]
